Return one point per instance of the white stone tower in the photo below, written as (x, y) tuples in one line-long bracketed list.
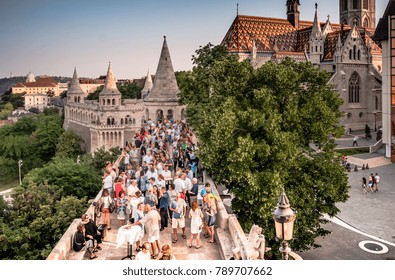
[(75, 93), (110, 95)]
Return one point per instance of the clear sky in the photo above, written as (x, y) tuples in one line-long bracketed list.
[(50, 37)]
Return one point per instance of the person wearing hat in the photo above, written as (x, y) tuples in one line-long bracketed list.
[(91, 234)]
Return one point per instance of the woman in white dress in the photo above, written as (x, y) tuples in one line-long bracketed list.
[(196, 215)]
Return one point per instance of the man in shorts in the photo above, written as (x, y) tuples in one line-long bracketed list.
[(179, 208)]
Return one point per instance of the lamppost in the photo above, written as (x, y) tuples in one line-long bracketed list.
[(284, 218), (20, 162), (375, 123)]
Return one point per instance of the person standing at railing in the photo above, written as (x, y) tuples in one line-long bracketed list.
[(105, 201)]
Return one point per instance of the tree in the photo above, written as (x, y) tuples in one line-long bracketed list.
[(69, 177), (95, 95), (130, 91), (36, 221), (100, 157), (51, 111), (69, 145), (255, 128)]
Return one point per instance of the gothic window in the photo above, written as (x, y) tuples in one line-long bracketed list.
[(354, 50), (78, 99), (365, 22), (359, 54), (350, 54), (316, 49), (113, 102), (345, 5), (366, 4), (355, 4), (353, 88), (108, 102), (112, 121)]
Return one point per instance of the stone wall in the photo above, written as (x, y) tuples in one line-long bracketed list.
[(81, 130)]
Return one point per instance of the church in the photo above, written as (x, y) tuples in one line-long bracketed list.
[(346, 51), (111, 121)]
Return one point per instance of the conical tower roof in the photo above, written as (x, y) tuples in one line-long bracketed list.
[(316, 30), (110, 85), (165, 86), (148, 83), (74, 86)]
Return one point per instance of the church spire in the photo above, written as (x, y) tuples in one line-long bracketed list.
[(316, 30), (165, 84)]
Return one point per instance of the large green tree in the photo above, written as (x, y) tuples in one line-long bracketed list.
[(36, 221), (69, 145), (256, 130), (69, 177)]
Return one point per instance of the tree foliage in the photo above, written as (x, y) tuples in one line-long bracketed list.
[(69, 177), (255, 129), (69, 145), (130, 91), (37, 219)]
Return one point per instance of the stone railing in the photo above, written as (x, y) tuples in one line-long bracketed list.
[(64, 247), (374, 148)]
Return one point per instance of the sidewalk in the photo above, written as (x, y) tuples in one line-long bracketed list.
[(347, 140)]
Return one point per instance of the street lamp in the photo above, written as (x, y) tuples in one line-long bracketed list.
[(284, 218), (20, 163)]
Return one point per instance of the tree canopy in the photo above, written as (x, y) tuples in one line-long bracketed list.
[(256, 129)]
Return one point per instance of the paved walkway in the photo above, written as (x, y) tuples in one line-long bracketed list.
[(363, 217), (208, 251)]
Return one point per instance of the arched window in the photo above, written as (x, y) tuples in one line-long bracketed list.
[(366, 22), (316, 49), (113, 102), (359, 54), (108, 121), (366, 4), (75, 99), (78, 99), (350, 54), (353, 88), (355, 4), (354, 49), (112, 121), (376, 103), (121, 121), (108, 101), (345, 5)]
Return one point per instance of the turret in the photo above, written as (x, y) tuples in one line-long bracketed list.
[(317, 39), (110, 95), (74, 92), (293, 12)]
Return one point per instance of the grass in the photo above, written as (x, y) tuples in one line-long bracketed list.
[(352, 151), (7, 183)]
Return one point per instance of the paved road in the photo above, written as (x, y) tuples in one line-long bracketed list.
[(363, 217)]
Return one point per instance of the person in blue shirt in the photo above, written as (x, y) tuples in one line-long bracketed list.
[(163, 208)]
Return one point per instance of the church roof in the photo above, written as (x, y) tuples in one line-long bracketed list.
[(165, 86), (272, 35), (75, 84), (110, 85)]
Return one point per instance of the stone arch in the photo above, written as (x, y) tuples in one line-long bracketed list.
[(113, 102), (365, 22), (170, 114), (354, 86), (122, 121), (108, 101), (159, 115)]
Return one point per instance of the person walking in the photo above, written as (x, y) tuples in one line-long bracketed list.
[(212, 217), (196, 216), (364, 185), (377, 182), (355, 143), (370, 183)]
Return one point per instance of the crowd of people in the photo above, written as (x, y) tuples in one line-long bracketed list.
[(153, 184)]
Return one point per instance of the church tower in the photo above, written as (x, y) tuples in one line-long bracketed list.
[(293, 12), (317, 39), (363, 11), (74, 92), (110, 95)]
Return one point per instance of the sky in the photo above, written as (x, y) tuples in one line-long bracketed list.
[(51, 37)]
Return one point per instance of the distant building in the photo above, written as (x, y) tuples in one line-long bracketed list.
[(110, 122), (90, 85), (41, 85), (5, 122), (18, 114), (385, 33), (346, 51)]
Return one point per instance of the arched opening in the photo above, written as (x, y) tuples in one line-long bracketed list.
[(350, 54), (75, 99), (108, 102), (170, 114), (108, 121), (365, 23), (159, 115), (359, 54), (353, 88), (121, 121), (366, 4), (376, 103), (354, 50), (355, 4), (316, 49), (112, 121), (104, 102), (78, 99), (113, 102)]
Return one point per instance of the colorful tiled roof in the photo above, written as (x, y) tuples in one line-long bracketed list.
[(40, 82)]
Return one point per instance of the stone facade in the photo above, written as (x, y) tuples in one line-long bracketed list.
[(110, 122), (347, 52)]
